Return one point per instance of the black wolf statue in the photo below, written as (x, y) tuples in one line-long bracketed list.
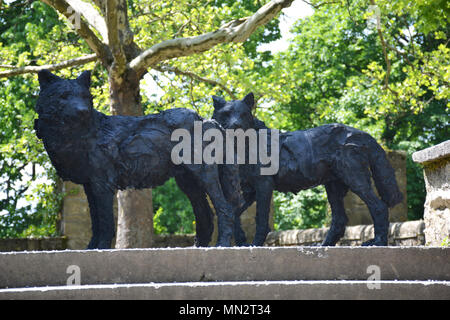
[(106, 153), (333, 155)]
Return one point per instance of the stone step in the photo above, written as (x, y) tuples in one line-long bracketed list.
[(133, 266), (242, 290)]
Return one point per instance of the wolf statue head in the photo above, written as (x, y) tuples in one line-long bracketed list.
[(66, 123), (64, 103), (234, 114)]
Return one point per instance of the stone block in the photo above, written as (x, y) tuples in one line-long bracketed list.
[(138, 266), (432, 154), (436, 162)]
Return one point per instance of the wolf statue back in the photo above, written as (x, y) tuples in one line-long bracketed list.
[(106, 153), (335, 155)]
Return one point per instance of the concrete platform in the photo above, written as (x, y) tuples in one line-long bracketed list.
[(134, 266), (246, 290)]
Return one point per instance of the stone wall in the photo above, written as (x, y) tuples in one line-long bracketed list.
[(410, 233), (173, 240), (356, 209), (33, 244), (436, 162), (60, 243)]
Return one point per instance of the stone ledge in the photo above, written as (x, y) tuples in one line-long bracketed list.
[(237, 290), (410, 233), (433, 153), (127, 266)]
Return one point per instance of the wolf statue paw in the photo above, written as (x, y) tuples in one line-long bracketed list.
[(375, 242)]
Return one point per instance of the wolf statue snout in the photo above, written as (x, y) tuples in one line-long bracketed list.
[(78, 112)]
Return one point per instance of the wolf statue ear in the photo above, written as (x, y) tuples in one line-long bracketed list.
[(85, 79), (45, 77), (249, 100), (218, 102)]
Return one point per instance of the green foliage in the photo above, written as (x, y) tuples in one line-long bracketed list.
[(415, 187), (445, 242), (335, 71), (232, 66), (172, 210), (304, 210), (29, 194), (24, 167)]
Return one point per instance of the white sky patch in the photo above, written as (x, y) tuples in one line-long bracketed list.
[(297, 10), (150, 87), (41, 178)]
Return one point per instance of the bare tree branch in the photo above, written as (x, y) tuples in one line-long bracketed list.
[(92, 17), (318, 5), (52, 67), (100, 48), (115, 23), (234, 31), (194, 76), (384, 47)]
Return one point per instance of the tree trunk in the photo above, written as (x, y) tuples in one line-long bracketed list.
[(135, 218)]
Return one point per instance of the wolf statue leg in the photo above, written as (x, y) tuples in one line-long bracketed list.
[(100, 200), (264, 190), (94, 218), (225, 218), (209, 178), (336, 191), (380, 216), (239, 234), (231, 187), (354, 170), (204, 226)]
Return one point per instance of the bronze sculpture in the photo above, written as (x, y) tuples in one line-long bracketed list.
[(335, 155)]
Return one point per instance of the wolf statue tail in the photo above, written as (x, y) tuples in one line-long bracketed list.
[(384, 176)]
